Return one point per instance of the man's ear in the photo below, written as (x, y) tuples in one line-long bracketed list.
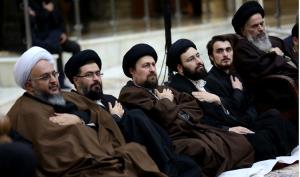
[(76, 81), (28, 86), (242, 30), (131, 71), (211, 59), (179, 69)]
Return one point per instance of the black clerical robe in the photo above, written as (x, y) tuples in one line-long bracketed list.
[(137, 127), (278, 135), (252, 63)]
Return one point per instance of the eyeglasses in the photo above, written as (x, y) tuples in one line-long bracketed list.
[(193, 57), (90, 75), (46, 76)]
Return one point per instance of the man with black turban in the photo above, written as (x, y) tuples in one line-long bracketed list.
[(84, 71), (214, 149), (257, 56), (223, 99), (69, 134)]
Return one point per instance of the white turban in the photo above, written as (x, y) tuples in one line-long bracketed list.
[(26, 62)]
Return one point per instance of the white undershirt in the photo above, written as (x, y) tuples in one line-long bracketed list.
[(199, 84)]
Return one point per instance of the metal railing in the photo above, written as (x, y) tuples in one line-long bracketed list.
[(27, 24)]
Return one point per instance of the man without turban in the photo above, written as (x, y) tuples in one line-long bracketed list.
[(215, 150), (257, 56), (70, 135)]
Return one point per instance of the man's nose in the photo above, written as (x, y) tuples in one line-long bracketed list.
[(53, 78), (260, 28), (225, 53), (199, 60), (152, 68)]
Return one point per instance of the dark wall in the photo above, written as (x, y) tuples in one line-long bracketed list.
[(12, 31)]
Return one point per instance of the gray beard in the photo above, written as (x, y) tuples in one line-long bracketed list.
[(262, 42), (56, 99)]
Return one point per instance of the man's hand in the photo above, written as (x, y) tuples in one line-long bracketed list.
[(277, 50), (48, 6), (117, 109), (65, 119), (31, 12), (63, 38), (166, 93), (236, 83), (207, 97), (240, 130)]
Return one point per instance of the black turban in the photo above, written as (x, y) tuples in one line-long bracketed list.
[(80, 59), (241, 16), (176, 49), (134, 54)]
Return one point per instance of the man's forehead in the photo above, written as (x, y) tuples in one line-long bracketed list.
[(255, 18), (146, 59), (89, 66), (221, 44), (189, 52)]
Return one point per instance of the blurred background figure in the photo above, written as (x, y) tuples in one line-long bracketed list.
[(16, 157), (292, 44), (48, 31)]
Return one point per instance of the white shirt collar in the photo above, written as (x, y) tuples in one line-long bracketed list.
[(199, 84)]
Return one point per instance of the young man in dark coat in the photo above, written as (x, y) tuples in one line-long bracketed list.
[(215, 150), (233, 112), (84, 71)]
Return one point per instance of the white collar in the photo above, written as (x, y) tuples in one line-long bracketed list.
[(199, 84)]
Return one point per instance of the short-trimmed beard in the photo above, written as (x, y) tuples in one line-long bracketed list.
[(223, 67), (262, 41), (94, 92), (195, 75), (151, 82), (55, 99)]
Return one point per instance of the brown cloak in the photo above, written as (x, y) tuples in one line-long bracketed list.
[(213, 149), (78, 150)]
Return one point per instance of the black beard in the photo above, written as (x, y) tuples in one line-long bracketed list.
[(150, 83), (195, 75), (223, 67), (93, 94)]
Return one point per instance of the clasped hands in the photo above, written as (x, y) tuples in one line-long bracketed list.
[(65, 119), (166, 93), (70, 119)]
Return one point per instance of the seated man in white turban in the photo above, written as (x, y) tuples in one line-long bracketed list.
[(70, 135)]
